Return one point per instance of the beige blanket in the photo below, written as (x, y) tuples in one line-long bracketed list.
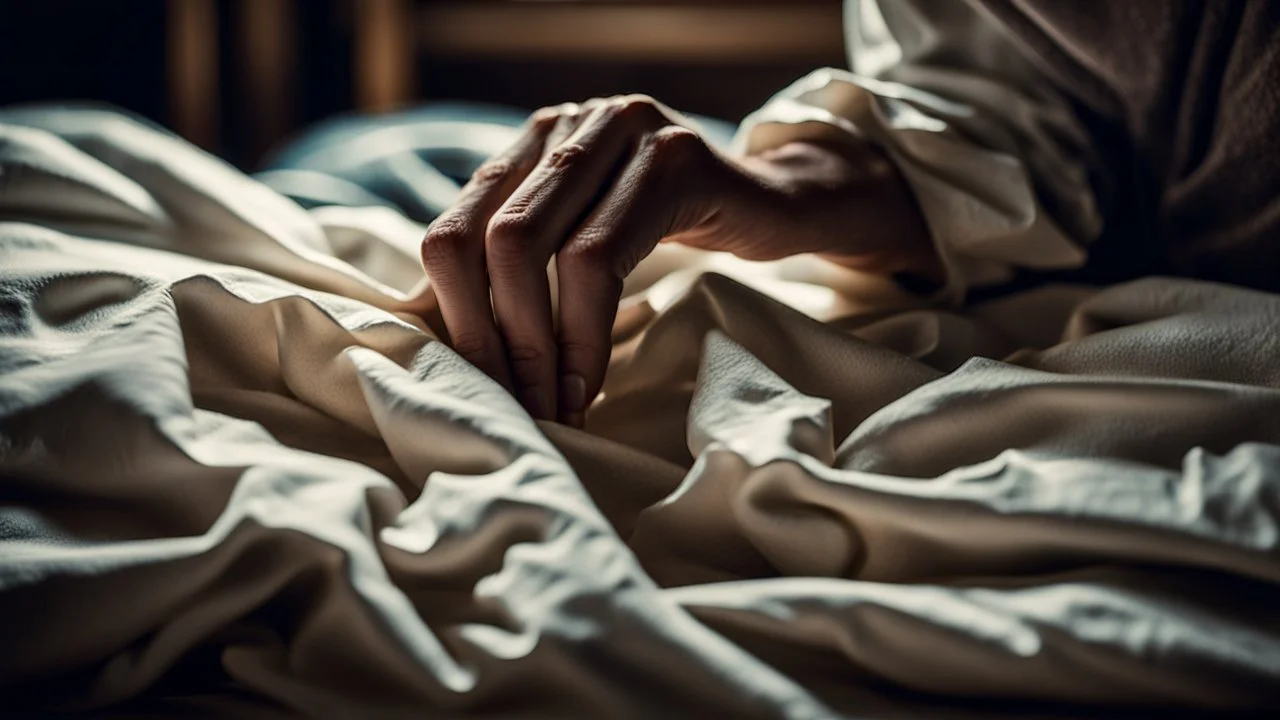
[(234, 483)]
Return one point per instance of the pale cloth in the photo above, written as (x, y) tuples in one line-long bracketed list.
[(234, 484), (979, 134)]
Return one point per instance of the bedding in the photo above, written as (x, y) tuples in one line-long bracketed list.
[(240, 476)]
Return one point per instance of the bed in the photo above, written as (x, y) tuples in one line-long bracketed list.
[(240, 480)]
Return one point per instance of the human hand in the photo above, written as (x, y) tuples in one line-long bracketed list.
[(596, 186)]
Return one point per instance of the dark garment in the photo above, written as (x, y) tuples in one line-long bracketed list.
[(1183, 100)]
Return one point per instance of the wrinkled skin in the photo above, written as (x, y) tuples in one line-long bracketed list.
[(597, 186)]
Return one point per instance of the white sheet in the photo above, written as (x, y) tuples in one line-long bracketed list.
[(226, 458)]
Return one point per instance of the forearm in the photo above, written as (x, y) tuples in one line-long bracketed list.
[(979, 203)]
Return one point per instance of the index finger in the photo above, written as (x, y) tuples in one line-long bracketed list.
[(453, 251)]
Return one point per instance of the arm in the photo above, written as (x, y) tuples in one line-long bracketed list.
[(994, 156), (595, 187)]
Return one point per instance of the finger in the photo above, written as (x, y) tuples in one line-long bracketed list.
[(572, 175), (453, 252), (523, 236), (647, 202), (569, 116)]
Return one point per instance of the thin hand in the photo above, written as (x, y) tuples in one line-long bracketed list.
[(596, 186)]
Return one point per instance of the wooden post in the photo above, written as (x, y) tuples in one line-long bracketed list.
[(266, 39), (384, 54), (192, 70)]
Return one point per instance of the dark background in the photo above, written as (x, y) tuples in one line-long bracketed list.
[(128, 53)]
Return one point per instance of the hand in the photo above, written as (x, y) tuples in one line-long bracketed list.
[(597, 186)]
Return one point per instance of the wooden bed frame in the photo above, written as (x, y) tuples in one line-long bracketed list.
[(388, 36)]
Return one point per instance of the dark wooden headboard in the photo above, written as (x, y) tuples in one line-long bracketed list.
[(720, 57)]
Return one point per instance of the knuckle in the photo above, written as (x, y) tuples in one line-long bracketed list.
[(507, 240), (579, 350), (526, 354), (473, 346), (587, 249), (529, 364), (493, 171), (588, 253), (444, 243), (509, 226), (676, 140), (544, 117), (565, 155), (639, 99), (676, 148), (637, 108)]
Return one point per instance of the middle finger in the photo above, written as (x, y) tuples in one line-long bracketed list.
[(524, 235)]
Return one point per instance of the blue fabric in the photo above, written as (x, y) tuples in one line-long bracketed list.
[(414, 161)]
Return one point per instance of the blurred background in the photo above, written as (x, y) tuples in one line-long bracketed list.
[(239, 77)]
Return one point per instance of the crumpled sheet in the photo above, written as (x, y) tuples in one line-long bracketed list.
[(238, 480)]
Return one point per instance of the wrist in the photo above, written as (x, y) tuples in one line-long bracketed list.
[(865, 215)]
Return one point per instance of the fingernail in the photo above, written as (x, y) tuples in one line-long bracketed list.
[(573, 393)]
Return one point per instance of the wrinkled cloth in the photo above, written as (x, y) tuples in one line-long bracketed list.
[(237, 480), (1044, 140)]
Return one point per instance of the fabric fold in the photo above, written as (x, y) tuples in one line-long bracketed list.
[(234, 481)]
